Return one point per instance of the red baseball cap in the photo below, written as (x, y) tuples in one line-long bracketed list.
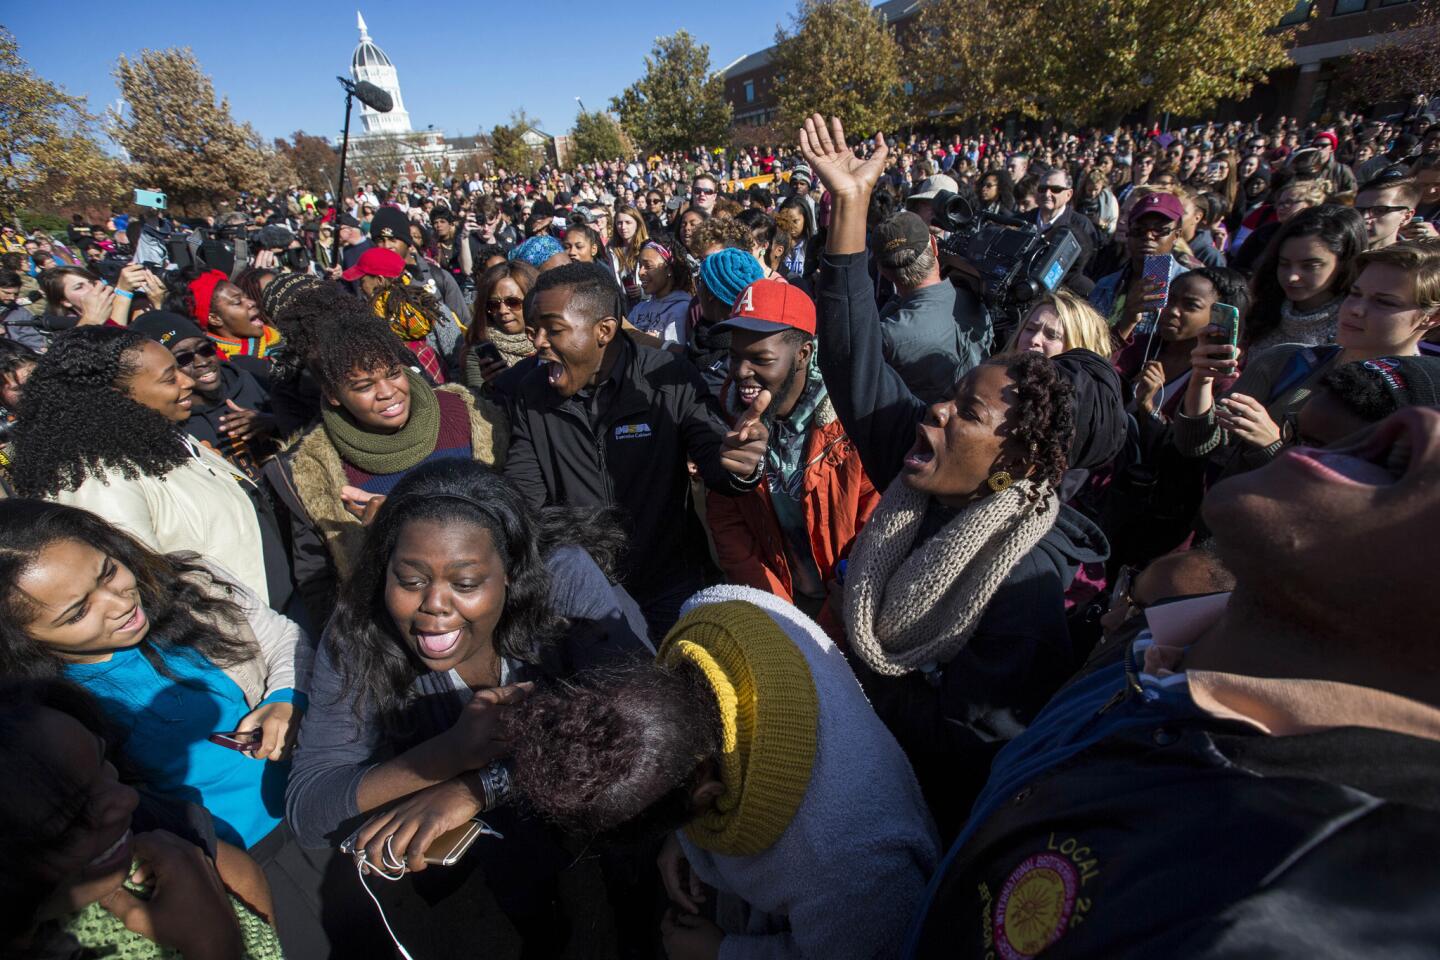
[(376, 262), (769, 306)]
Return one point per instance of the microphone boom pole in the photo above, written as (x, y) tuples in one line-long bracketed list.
[(376, 99)]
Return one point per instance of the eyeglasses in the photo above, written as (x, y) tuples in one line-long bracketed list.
[(703, 191), (1155, 231), (187, 357), (513, 303), (1051, 188), (1378, 211)]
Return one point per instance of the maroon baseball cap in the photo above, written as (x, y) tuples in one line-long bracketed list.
[(1166, 205)]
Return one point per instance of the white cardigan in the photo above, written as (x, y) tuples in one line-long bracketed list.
[(198, 506)]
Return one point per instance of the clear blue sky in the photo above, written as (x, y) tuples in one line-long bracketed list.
[(463, 66)]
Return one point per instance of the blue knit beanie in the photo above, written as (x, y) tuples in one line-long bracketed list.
[(536, 250), (727, 272)]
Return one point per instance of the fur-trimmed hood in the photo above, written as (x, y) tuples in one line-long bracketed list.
[(318, 475)]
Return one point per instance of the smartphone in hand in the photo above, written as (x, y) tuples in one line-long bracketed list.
[(1226, 319), (1155, 280), (242, 740)]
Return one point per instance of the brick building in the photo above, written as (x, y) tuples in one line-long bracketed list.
[(1335, 29)]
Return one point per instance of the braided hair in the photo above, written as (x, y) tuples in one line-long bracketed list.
[(76, 419), (1044, 417)]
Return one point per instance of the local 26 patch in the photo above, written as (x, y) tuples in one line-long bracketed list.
[(1040, 899)]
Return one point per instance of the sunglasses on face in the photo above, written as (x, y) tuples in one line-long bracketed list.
[(1051, 188), (187, 357), (512, 303), (704, 191)]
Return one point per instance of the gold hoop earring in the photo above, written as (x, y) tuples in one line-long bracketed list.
[(999, 480)]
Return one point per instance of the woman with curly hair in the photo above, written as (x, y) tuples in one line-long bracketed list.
[(379, 420), (954, 591), (496, 340), (462, 594), (200, 682), (101, 426), (423, 324)]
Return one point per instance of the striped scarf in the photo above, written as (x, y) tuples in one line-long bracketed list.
[(261, 346)]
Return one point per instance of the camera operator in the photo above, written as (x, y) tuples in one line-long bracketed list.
[(934, 332), (279, 249)]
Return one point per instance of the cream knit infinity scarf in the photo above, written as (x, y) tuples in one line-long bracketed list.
[(906, 607)]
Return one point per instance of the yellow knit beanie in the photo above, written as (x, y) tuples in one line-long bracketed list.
[(769, 712)]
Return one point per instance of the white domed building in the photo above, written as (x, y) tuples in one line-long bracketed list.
[(369, 62)]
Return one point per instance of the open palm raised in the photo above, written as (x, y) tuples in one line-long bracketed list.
[(835, 163)]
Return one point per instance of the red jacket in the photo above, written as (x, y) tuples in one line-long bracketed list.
[(837, 500)]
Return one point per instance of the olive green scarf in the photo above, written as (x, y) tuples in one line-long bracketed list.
[(386, 453)]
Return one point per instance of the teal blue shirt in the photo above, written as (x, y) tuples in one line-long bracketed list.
[(166, 722)]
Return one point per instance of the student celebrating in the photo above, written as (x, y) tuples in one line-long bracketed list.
[(604, 421), (788, 534), (380, 421), (749, 743), (463, 591), (954, 589)]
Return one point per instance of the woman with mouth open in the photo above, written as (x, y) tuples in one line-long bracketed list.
[(179, 655), (99, 868), (101, 427), (229, 317), (954, 591), (462, 594), (379, 421)]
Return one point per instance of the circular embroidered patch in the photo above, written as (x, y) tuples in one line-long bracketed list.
[(1035, 906)]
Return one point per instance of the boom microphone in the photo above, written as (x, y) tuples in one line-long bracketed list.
[(373, 97)]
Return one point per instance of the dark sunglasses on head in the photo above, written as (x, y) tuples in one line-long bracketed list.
[(513, 303), (187, 357)]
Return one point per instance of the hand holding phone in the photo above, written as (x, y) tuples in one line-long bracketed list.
[(242, 740), (1155, 280), (1224, 326)]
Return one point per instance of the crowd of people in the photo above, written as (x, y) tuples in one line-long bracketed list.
[(696, 555)]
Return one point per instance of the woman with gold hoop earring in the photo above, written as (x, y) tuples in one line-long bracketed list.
[(954, 591)]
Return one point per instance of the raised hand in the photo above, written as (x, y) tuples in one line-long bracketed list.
[(835, 163), (744, 447)]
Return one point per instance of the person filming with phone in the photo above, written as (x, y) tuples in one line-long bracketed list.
[(1138, 288)]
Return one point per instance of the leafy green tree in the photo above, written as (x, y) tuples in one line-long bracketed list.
[(679, 102), (840, 58), (1081, 60), (49, 154), (180, 139), (507, 143), (597, 136)]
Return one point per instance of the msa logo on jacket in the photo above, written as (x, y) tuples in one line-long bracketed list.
[(1039, 900), (632, 431)]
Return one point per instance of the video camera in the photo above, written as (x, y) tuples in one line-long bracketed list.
[(1016, 262)]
